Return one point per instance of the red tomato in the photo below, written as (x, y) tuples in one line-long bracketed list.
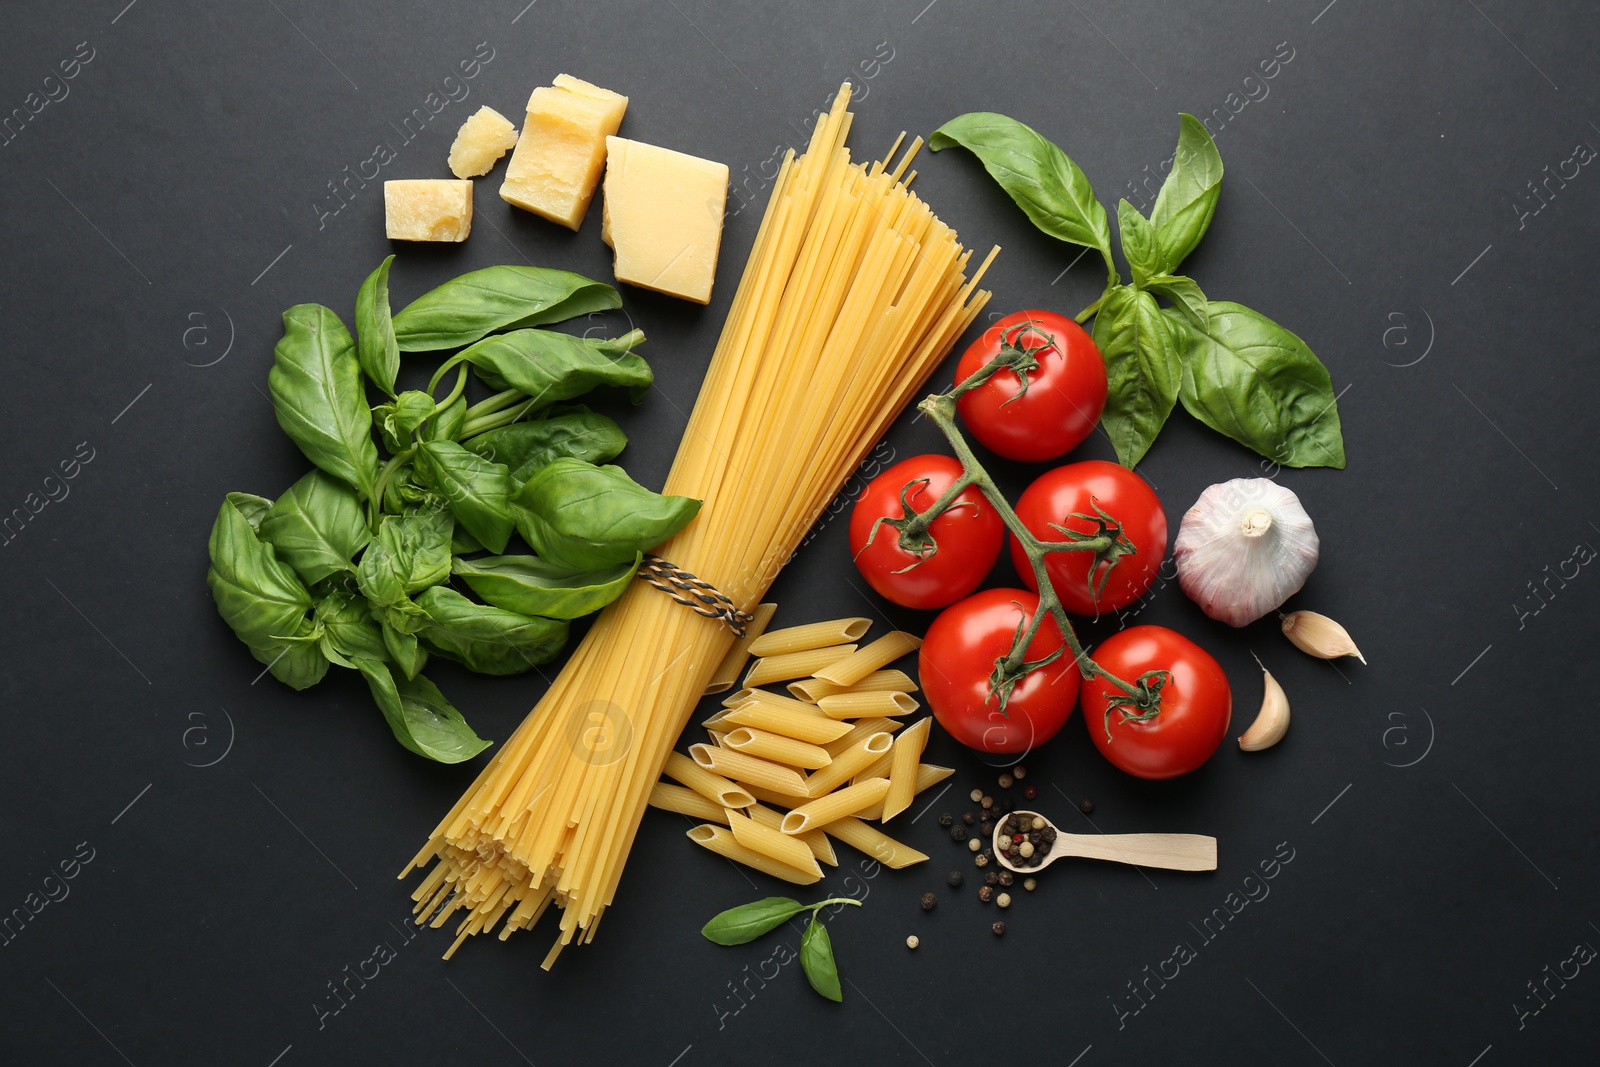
[(967, 536), (1061, 401), (958, 655), (1196, 703), (1078, 489)]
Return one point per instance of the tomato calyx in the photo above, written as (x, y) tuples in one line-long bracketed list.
[(1018, 358), (1012, 667), (1107, 540), (1146, 698), (913, 527)]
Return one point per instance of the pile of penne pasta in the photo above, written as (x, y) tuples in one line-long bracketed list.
[(784, 773)]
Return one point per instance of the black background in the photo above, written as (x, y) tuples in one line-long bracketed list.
[(1439, 803)]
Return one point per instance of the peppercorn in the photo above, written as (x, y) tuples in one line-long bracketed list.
[(1006, 781), (1006, 877), (976, 795), (986, 828), (1019, 771), (975, 844), (1038, 822), (913, 941), (986, 801), (1026, 849), (928, 901), (958, 833), (968, 818), (1004, 900), (991, 878), (1030, 884), (1086, 806), (955, 878), (981, 860), (999, 929), (945, 819), (986, 894), (1030, 792)]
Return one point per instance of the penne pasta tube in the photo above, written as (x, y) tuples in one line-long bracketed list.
[(795, 664), (776, 719), (882, 652), (778, 700), (874, 842), (676, 798), (846, 764), (858, 705), (714, 787), (718, 719), (835, 806), (863, 728), (771, 843), (776, 747), (720, 839), (733, 662), (904, 760), (893, 681), (745, 768), (879, 769), (739, 696), (927, 775), (815, 840), (718, 737), (772, 796), (811, 635)]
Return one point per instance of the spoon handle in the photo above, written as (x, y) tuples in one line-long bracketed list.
[(1173, 852)]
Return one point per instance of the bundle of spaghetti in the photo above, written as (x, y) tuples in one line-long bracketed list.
[(853, 293)]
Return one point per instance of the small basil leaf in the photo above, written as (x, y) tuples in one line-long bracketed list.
[(1185, 294), (816, 958), (533, 586), (589, 518), (1049, 187), (550, 366), (527, 447), (378, 351), (411, 553), (331, 653), (258, 595), (478, 490), (738, 926), (317, 526), (317, 393), (297, 661), (411, 409), (1138, 243), (421, 718), (480, 302), (383, 419), (1143, 371), (349, 627), (1250, 379), (487, 639), (1188, 198), (402, 646), (252, 507), (446, 424)]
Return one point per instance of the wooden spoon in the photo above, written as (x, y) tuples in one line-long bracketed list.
[(1172, 852)]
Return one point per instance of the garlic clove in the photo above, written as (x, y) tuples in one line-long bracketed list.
[(1319, 636), (1244, 548), (1272, 721)]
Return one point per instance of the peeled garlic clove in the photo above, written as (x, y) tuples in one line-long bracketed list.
[(1272, 721), (1244, 548), (1319, 636)]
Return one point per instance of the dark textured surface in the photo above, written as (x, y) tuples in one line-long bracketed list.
[(1438, 804)]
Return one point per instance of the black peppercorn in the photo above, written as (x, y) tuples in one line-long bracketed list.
[(968, 818), (1006, 877), (991, 879), (958, 833), (986, 828), (986, 894), (945, 819), (1086, 806), (955, 878), (928, 901), (999, 929)]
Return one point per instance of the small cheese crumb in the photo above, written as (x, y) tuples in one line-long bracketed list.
[(482, 140), (428, 209)]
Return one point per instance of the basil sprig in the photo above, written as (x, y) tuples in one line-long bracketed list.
[(743, 924), (352, 566), (1232, 368)]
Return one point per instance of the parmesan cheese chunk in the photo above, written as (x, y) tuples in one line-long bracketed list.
[(482, 140), (558, 158), (663, 217), (428, 209)]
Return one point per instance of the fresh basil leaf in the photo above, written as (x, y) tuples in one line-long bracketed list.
[(252, 507), (480, 302), (446, 424), (816, 959), (317, 526), (478, 490), (383, 419), (1252, 380), (378, 351), (258, 595), (533, 586), (349, 627), (741, 925), (298, 661), (550, 366), (1143, 371), (401, 645), (1185, 295), (317, 393), (1138, 243), (421, 718), (461, 542), (1049, 187), (487, 639), (527, 447), (411, 409), (412, 552), (1188, 197), (588, 518)]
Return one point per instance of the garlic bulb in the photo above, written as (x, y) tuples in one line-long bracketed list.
[(1244, 548)]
